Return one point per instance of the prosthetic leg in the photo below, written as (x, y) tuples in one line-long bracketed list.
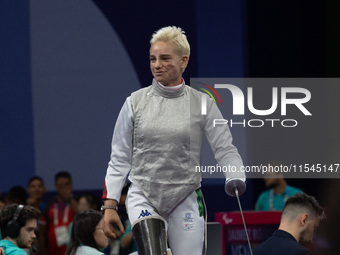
[(150, 236)]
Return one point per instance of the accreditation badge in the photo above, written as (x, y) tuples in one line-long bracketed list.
[(61, 234)]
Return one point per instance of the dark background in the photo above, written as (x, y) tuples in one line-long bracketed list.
[(228, 39)]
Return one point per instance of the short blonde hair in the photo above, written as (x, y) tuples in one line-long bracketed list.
[(173, 35)]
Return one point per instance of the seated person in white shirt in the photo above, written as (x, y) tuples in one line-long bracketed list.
[(87, 235)]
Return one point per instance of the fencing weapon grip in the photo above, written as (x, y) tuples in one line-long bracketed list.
[(232, 184)]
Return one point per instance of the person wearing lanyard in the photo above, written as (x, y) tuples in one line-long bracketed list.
[(59, 214), (275, 198)]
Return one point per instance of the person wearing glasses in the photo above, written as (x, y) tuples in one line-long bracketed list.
[(87, 235)]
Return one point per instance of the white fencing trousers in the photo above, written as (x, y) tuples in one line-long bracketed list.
[(184, 226)]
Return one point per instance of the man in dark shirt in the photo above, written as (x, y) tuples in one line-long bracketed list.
[(300, 218)]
